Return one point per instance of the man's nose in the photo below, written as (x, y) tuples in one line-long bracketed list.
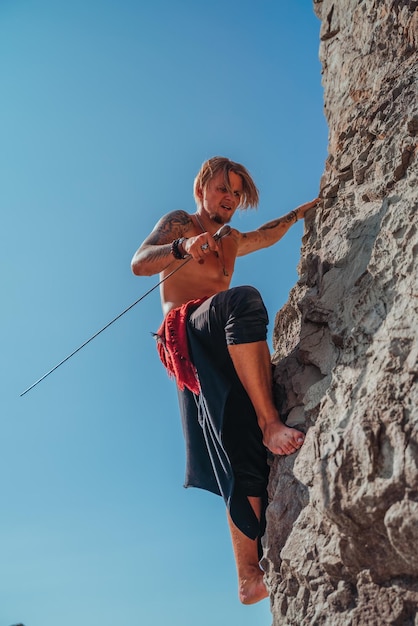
[(230, 197)]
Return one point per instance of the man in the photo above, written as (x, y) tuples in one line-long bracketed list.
[(213, 340)]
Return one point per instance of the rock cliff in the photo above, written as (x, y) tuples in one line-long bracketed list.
[(341, 545)]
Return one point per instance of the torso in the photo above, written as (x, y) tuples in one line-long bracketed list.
[(196, 280)]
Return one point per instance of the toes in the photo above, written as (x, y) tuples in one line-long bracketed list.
[(298, 441), (290, 448), (285, 441)]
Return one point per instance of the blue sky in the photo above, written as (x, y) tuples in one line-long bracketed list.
[(107, 111)]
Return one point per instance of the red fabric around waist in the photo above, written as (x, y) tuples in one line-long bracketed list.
[(173, 348)]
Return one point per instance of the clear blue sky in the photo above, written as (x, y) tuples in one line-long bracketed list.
[(108, 109)]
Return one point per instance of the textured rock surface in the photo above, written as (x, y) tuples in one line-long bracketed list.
[(341, 545)]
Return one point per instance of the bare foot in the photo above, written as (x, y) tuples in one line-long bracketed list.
[(252, 589), (281, 439)]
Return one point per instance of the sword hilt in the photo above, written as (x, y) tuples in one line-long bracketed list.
[(222, 232)]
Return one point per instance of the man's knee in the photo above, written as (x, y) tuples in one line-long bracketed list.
[(248, 319)]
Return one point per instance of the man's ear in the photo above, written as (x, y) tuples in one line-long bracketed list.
[(199, 193)]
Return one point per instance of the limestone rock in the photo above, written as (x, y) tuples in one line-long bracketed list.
[(341, 546)]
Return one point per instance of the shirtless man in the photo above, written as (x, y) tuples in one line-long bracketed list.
[(222, 187)]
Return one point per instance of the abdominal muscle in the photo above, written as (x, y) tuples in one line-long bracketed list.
[(194, 281)]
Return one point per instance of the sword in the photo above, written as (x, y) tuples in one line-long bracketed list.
[(222, 232)]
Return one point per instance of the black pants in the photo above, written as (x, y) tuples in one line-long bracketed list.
[(236, 316)]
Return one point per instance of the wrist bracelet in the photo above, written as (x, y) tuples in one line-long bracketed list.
[(175, 248), (294, 214)]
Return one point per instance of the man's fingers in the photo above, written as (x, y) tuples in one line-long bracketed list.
[(304, 208), (209, 244)]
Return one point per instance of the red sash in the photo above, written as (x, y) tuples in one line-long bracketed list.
[(173, 347)]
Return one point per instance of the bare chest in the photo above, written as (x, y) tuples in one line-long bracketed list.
[(196, 280)]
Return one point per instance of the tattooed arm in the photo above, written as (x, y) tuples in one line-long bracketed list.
[(154, 254), (270, 233)]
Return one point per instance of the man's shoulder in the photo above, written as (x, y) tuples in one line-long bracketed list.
[(177, 218), (179, 214)]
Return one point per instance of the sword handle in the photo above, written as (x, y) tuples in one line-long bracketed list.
[(222, 232)]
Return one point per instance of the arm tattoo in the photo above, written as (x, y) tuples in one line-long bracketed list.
[(289, 217), (159, 252), (172, 226)]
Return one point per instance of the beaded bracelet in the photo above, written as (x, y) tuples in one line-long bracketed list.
[(175, 248)]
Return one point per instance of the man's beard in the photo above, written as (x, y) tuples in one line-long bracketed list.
[(218, 219)]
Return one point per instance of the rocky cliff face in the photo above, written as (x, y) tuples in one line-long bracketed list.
[(341, 545)]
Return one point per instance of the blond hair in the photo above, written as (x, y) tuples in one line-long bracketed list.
[(213, 166)]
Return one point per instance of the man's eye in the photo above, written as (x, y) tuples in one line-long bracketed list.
[(223, 189), (237, 194)]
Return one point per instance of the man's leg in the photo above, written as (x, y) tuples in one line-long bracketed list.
[(234, 330), (251, 587), (253, 366), (238, 317)]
